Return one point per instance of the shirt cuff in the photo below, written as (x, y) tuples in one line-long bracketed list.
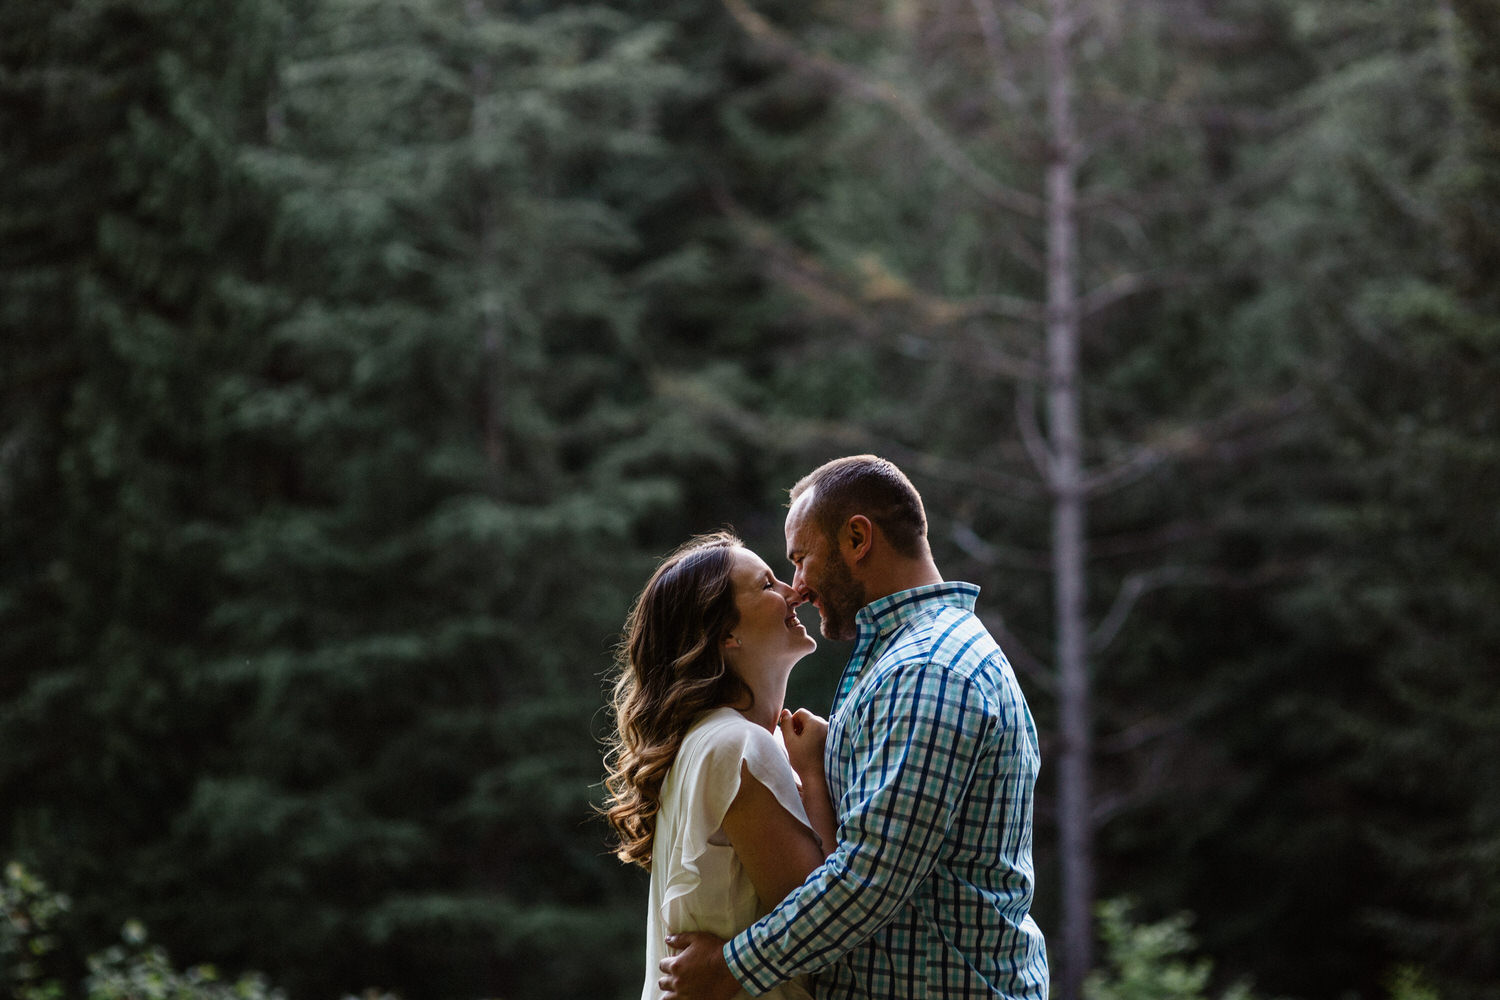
[(747, 965)]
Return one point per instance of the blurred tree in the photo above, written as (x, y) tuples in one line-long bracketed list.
[(746, 134), (1353, 803), (353, 368), (126, 228), (328, 446)]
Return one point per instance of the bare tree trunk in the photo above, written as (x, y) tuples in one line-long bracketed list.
[(1066, 482)]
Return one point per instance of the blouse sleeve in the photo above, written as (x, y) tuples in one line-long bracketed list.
[(710, 763)]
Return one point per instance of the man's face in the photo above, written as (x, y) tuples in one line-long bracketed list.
[(822, 576)]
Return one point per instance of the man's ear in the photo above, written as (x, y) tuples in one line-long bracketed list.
[(859, 537)]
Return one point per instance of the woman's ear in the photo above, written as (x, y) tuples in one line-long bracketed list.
[(730, 642)]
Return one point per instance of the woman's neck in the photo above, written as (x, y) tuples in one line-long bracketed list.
[(765, 709)]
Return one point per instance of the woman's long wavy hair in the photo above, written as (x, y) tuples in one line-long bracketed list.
[(671, 670)]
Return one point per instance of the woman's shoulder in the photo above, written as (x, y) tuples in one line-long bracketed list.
[(725, 734), (719, 726), (719, 749)]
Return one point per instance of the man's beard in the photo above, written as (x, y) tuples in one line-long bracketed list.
[(841, 597)]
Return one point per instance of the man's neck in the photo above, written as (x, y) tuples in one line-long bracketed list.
[(904, 576)]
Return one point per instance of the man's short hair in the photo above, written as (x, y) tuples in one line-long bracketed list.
[(874, 487)]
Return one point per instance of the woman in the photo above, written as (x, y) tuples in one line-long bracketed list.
[(703, 794)]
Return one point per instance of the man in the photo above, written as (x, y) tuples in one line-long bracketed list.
[(931, 759)]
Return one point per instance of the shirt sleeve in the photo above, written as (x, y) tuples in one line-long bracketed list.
[(914, 743)]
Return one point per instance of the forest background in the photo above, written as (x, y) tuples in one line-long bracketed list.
[(359, 359)]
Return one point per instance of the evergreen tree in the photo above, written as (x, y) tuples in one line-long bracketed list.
[(1354, 709), (127, 229), (325, 473)]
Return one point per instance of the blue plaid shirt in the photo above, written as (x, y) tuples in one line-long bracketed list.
[(932, 757)]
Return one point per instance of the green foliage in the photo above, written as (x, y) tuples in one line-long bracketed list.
[(1408, 983), (29, 917), (134, 969), (1155, 961), (1150, 961), (1360, 548), (1304, 688), (323, 485), (357, 357), (138, 970)]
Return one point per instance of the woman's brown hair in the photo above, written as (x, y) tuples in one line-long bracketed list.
[(671, 670)]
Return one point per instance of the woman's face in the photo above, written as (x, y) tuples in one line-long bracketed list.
[(768, 636)]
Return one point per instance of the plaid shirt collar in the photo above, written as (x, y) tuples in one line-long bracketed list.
[(890, 613), (877, 621)]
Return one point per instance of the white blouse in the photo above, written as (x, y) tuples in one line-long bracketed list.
[(697, 883)]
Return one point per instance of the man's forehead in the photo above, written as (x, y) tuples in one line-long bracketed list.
[(796, 517)]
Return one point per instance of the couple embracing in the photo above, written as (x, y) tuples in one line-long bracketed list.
[(882, 854)]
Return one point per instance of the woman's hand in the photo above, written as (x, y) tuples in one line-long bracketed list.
[(805, 736)]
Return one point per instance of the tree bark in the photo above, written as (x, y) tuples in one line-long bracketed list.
[(1066, 481)]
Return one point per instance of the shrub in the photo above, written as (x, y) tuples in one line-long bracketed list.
[(134, 969), (1150, 961), (28, 935)]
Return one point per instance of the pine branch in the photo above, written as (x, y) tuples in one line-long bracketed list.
[(1139, 584), (991, 555), (1017, 653), (795, 434), (1108, 805), (1136, 586), (1008, 306), (864, 300), (1124, 286), (995, 47), (1187, 442), (1031, 431), (852, 81)]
